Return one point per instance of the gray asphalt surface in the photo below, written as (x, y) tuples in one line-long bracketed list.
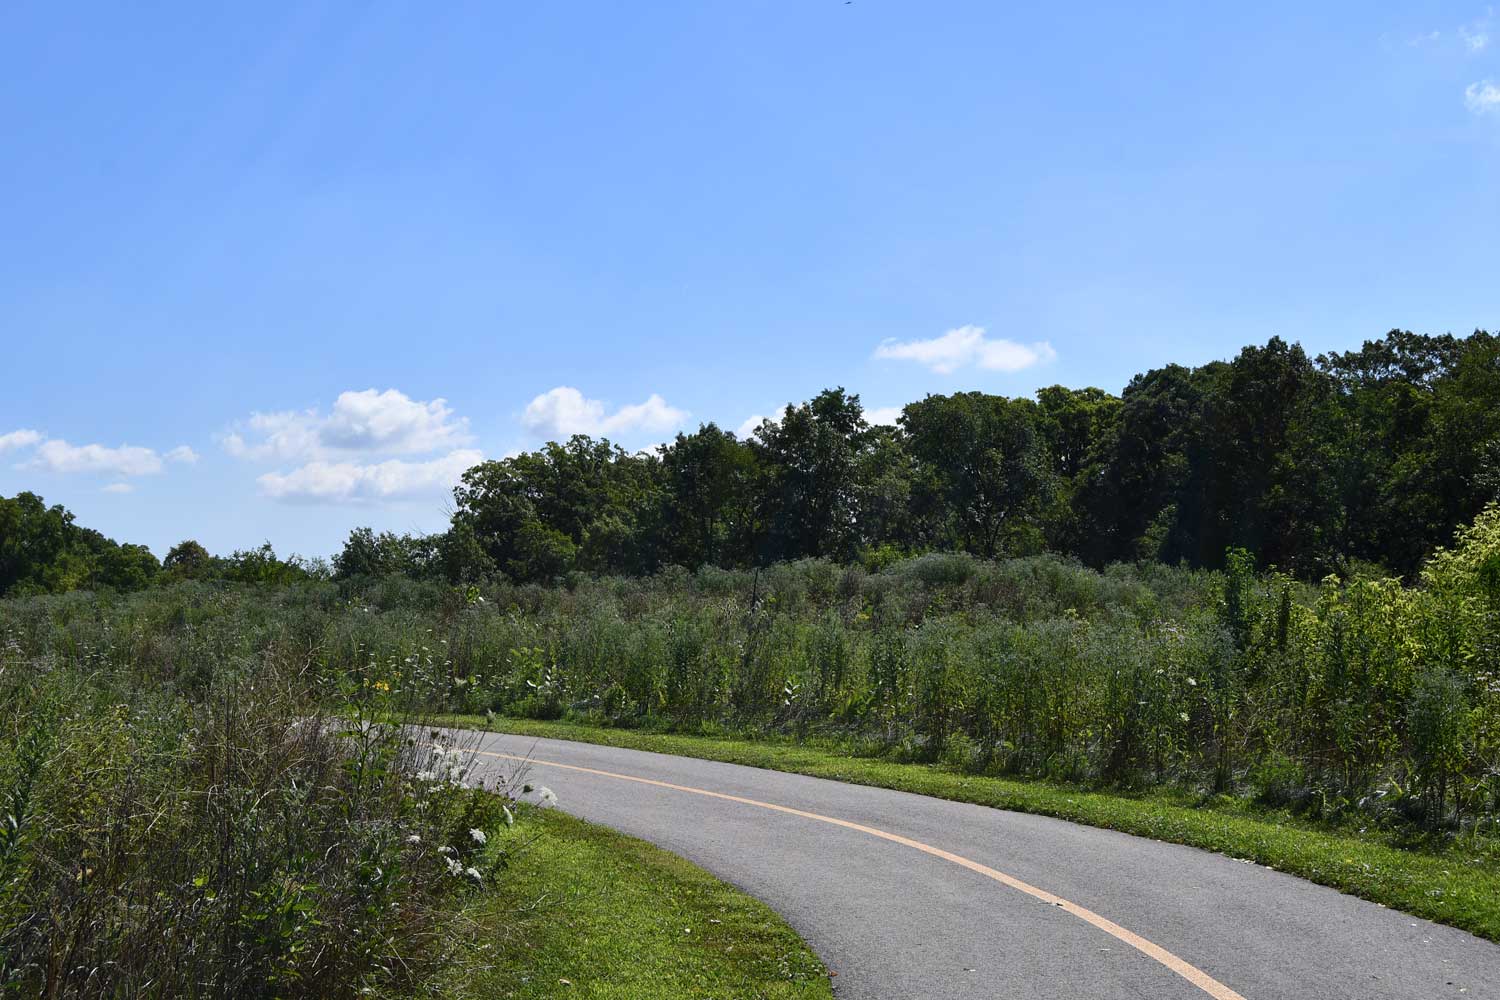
[(896, 923)]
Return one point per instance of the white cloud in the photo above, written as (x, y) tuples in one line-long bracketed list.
[(564, 411), (1477, 40), (360, 423), (967, 346), (886, 415), (119, 488), (18, 439), (393, 479), (747, 429), (1482, 98), (182, 453), (57, 455)]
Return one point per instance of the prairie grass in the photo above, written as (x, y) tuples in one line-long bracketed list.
[(228, 841)]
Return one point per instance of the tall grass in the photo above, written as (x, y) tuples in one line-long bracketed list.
[(179, 819), (1359, 698)]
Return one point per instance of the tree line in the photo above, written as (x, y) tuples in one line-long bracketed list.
[(1312, 465)]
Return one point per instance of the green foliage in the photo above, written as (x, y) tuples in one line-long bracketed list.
[(1360, 697), (42, 550), (178, 817)]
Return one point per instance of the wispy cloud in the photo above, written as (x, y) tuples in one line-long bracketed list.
[(1476, 34), (119, 488), (1482, 98), (363, 422), (16, 440), (964, 347), (564, 411), (57, 455), (393, 479)]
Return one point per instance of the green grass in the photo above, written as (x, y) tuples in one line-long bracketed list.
[(585, 912), (1445, 884)]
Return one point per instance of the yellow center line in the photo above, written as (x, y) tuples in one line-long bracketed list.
[(1185, 969)]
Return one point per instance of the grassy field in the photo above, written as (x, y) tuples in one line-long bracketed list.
[(586, 912), (1443, 880)]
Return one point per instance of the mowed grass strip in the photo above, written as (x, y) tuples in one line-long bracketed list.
[(585, 912), (1447, 886)]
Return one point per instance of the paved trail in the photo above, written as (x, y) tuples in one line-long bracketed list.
[(909, 897)]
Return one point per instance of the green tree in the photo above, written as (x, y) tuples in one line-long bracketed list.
[(585, 504), (983, 477), (808, 460), (188, 560), (33, 540), (709, 515)]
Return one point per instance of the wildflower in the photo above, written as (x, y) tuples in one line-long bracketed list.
[(510, 819), (1183, 716), (381, 686), (547, 797), (473, 873), (1192, 683), (478, 835), (454, 868), (415, 838), (445, 849), (426, 776)]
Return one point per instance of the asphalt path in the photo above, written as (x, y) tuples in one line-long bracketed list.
[(905, 896)]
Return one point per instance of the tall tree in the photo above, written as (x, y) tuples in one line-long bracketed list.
[(808, 461), (709, 516), (982, 471)]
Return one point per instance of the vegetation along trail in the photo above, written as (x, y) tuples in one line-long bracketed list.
[(904, 895)]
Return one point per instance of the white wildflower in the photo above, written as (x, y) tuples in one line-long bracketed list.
[(478, 835), (454, 868), (473, 873), (547, 796), (445, 849), (415, 838), (510, 819), (426, 775), (1191, 682)]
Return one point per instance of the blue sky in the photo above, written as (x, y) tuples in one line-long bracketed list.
[(273, 272)]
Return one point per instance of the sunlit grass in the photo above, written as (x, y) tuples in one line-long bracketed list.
[(587, 912)]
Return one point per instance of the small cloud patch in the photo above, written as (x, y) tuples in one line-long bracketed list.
[(964, 347), (564, 411)]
